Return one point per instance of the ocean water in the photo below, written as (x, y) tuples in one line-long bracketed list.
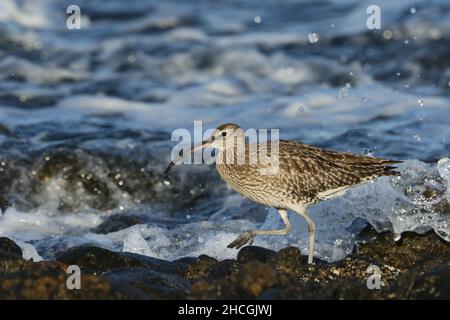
[(86, 117)]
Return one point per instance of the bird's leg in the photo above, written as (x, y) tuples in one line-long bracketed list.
[(311, 230), (249, 236)]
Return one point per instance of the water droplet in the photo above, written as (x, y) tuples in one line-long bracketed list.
[(131, 58), (343, 92), (387, 34), (398, 74), (257, 19), (47, 158), (313, 37), (413, 10), (167, 183), (420, 102), (435, 33)]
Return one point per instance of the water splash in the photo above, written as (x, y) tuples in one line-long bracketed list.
[(417, 201)]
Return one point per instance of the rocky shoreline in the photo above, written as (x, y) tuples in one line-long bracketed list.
[(415, 267)]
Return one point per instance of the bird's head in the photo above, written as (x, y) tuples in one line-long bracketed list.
[(224, 133), (224, 136)]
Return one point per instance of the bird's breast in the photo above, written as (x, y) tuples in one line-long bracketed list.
[(249, 182)]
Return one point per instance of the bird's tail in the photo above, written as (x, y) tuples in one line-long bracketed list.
[(390, 170)]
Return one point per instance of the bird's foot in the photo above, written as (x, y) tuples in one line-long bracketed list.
[(247, 236)]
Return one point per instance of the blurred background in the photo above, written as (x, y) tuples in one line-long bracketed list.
[(86, 117)]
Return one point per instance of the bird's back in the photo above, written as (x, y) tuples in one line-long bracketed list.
[(319, 173), (306, 174)]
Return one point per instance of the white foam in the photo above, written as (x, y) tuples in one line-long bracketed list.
[(29, 13), (39, 224), (29, 251), (444, 170), (135, 243), (36, 74)]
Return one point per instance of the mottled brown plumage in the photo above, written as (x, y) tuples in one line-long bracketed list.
[(305, 175)]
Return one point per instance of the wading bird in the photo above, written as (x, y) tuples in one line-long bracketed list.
[(298, 175)]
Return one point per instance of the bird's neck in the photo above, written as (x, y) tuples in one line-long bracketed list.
[(233, 152)]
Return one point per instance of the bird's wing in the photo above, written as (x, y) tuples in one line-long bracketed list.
[(315, 170)]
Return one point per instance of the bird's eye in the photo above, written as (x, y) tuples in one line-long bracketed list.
[(224, 134)]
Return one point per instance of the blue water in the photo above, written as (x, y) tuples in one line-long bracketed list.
[(86, 115)]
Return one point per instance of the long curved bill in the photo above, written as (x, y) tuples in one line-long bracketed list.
[(192, 150)]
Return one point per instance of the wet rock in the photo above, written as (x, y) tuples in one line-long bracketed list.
[(21, 279), (4, 130), (118, 222), (4, 204), (208, 268), (417, 267), (9, 249), (143, 283), (201, 268), (247, 283), (81, 175), (98, 260), (47, 280), (423, 252), (254, 253), (288, 260), (432, 285)]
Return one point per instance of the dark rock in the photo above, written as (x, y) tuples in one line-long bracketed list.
[(142, 283), (20, 279), (4, 130), (288, 260), (9, 249), (416, 267), (247, 283), (77, 171), (201, 268), (186, 260), (432, 285), (254, 253), (425, 251), (118, 222), (4, 204), (98, 260)]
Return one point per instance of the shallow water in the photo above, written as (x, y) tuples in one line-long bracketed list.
[(86, 117)]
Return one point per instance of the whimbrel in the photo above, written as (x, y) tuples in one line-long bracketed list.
[(305, 175)]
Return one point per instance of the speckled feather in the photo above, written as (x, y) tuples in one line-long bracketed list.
[(305, 174)]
